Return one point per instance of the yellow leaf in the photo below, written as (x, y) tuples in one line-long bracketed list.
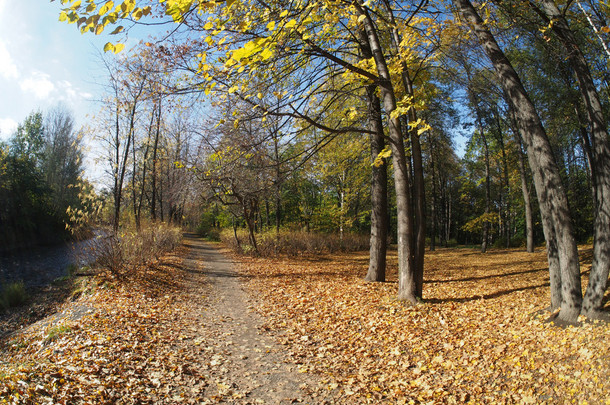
[(259, 95), (266, 54), (108, 47), (106, 7), (208, 26), (271, 26), (284, 13), (118, 48), (291, 23)]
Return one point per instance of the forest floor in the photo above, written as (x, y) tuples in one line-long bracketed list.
[(196, 328)]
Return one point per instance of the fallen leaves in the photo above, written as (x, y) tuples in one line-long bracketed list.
[(134, 346), (475, 338), (478, 337)]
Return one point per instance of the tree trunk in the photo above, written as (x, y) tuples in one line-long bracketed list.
[(529, 221), (551, 194), (486, 224), (379, 191), (434, 197), (418, 187), (507, 221), (153, 201), (592, 304), (407, 282)]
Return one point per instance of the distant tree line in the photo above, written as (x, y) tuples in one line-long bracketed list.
[(41, 166)]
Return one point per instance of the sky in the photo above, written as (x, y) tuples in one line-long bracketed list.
[(44, 62)]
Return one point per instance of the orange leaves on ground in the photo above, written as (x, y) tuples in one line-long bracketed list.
[(133, 345), (477, 336)]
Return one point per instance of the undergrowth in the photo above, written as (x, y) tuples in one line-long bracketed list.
[(130, 249), (294, 243), (13, 295)]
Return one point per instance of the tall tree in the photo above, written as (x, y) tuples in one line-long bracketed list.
[(557, 223)]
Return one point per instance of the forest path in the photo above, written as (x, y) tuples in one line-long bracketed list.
[(247, 366)]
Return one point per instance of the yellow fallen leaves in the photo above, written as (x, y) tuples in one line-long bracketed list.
[(136, 347), (476, 337)]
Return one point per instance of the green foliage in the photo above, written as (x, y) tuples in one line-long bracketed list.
[(208, 226), (39, 171), (13, 295)]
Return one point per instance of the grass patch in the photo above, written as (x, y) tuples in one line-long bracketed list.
[(56, 331), (13, 295)]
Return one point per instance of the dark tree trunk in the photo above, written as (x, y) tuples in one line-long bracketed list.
[(153, 201), (433, 216), (379, 193), (506, 205), (486, 224), (551, 194), (379, 180), (529, 221)]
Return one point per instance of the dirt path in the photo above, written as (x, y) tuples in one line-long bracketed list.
[(246, 365)]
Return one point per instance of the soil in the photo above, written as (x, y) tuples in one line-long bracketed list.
[(245, 360)]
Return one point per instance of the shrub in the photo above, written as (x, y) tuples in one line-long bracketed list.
[(294, 242), (13, 295), (131, 249), (516, 241)]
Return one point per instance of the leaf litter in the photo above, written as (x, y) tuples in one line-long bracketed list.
[(478, 337)]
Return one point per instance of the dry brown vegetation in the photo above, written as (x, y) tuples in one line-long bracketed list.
[(478, 337)]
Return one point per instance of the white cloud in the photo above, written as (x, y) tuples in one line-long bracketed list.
[(7, 127), (39, 84), (8, 68)]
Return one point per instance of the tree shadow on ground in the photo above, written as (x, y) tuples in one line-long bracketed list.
[(486, 277), (493, 295)]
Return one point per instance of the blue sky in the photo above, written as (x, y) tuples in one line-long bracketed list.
[(44, 62)]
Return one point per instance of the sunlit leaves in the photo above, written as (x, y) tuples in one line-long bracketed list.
[(177, 8), (116, 48), (477, 325)]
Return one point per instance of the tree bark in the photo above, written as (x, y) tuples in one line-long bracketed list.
[(407, 283), (379, 192), (551, 194), (418, 187), (153, 201), (529, 221), (592, 304)]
